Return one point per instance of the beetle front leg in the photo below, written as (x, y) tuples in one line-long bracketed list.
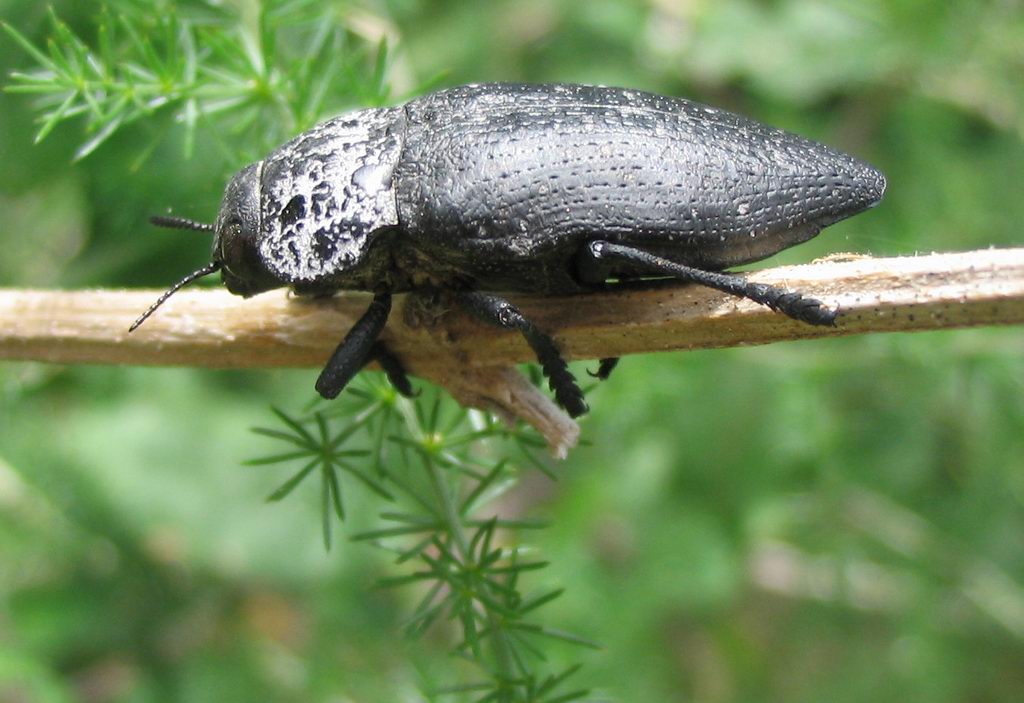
[(356, 349), (499, 311), (601, 255)]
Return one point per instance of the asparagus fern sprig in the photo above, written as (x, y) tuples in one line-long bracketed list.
[(441, 469), (259, 76)]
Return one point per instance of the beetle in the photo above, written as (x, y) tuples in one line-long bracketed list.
[(551, 189)]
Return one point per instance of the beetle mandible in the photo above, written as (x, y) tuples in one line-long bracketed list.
[(549, 189)]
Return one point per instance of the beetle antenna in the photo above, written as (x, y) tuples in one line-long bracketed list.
[(211, 267), (179, 223)]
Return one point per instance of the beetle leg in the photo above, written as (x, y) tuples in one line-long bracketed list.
[(355, 349), (795, 305), (392, 368), (499, 311), (604, 368)]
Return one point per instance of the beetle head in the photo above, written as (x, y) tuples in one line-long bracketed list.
[(235, 251), (236, 236)]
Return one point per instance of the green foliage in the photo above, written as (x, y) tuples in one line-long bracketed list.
[(840, 520), (261, 75), (430, 457)]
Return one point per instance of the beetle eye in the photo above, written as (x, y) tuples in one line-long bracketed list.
[(232, 244)]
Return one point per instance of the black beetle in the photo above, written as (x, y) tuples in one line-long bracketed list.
[(550, 189)]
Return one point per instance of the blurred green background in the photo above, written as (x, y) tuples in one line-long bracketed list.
[(838, 520)]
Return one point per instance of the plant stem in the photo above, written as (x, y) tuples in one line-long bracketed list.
[(473, 361), (453, 522), (211, 328)]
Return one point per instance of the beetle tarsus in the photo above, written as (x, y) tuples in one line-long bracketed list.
[(809, 310), (604, 368), (355, 349), (498, 311), (600, 254)]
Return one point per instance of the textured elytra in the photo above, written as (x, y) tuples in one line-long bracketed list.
[(325, 192), (522, 176)]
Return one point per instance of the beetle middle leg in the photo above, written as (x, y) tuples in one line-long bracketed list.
[(392, 368), (498, 311), (358, 348), (599, 257)]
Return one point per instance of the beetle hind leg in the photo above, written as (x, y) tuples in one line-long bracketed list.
[(499, 311), (601, 256)]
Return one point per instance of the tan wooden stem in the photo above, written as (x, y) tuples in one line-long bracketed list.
[(211, 328)]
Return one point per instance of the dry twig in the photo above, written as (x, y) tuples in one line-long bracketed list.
[(214, 329)]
